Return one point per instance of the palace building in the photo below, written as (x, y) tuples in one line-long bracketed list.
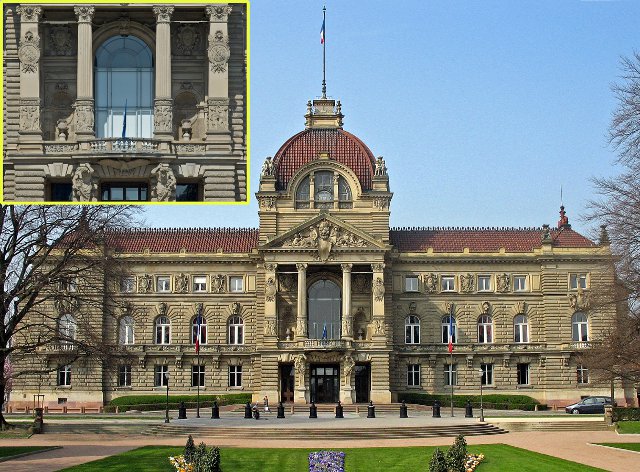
[(325, 302), (125, 102)]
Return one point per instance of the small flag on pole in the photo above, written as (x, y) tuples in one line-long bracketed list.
[(124, 121), (324, 332), (198, 332), (450, 334), (322, 33)]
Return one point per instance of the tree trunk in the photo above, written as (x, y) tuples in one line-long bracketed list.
[(3, 383)]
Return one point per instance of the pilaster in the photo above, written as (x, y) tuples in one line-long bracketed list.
[(347, 318), (84, 106), (270, 307), (29, 54), (163, 103), (301, 322), (377, 304)]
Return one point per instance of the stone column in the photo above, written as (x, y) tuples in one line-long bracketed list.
[(218, 51), (378, 300), (301, 323), (84, 110), (347, 319), (163, 103), (270, 308), (29, 53)]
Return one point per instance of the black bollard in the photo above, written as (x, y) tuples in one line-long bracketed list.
[(280, 410), (371, 410), (215, 411), (436, 409), (247, 411), (339, 410), (403, 410), (313, 410), (468, 410), (182, 411)]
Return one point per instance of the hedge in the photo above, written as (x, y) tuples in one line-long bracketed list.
[(626, 414), (159, 402), (493, 401)]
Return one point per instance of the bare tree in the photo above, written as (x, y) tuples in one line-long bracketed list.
[(55, 265)]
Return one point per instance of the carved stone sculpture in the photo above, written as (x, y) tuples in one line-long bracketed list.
[(270, 327), (502, 282), (165, 185), (378, 289), (217, 115), (218, 283), (29, 114), (61, 40), (187, 39), (270, 289), (84, 116), (162, 116), (268, 168), (145, 283), (29, 52), (347, 368), (218, 52), (84, 186), (300, 365), (324, 236), (430, 282), (467, 283), (182, 283), (380, 169)]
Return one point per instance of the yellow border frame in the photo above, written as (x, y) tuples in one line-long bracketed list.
[(247, 105)]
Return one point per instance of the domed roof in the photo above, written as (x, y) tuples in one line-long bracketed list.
[(306, 146)]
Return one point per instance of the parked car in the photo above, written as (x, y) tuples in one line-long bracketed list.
[(589, 405)]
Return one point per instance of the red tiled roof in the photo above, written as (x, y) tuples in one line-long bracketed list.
[(482, 239), (198, 240), (343, 147)]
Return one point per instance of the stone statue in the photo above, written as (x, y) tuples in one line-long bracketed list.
[(270, 289), (268, 168), (83, 185), (165, 187), (347, 367), (381, 168), (378, 289), (182, 283), (301, 366)]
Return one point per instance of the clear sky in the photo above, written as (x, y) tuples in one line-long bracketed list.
[(481, 109)]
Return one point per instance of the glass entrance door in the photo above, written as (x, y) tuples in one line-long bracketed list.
[(325, 383), (363, 382), (287, 381)]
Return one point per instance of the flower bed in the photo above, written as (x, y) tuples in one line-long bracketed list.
[(180, 463), (326, 461), (472, 462)]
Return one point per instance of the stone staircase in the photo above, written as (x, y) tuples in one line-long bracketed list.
[(553, 426)]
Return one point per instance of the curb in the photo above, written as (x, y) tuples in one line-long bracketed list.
[(24, 454)]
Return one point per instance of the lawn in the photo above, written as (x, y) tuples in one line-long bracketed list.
[(629, 427), (498, 458), (6, 452), (627, 446)]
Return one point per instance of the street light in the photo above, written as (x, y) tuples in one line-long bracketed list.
[(166, 381), (481, 375)]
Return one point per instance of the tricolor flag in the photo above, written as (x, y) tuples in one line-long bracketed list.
[(322, 33), (450, 334), (198, 332)]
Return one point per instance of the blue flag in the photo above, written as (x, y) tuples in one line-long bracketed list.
[(124, 121), (324, 331)]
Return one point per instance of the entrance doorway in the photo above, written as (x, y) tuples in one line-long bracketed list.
[(325, 383), (287, 382), (363, 382)]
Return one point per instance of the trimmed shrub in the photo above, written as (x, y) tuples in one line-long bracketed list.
[(626, 414), (438, 462), (457, 455), (493, 401), (158, 402), (207, 459), (189, 450)]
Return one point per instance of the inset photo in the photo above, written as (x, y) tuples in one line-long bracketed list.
[(126, 102)]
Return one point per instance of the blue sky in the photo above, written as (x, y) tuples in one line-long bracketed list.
[(482, 109)]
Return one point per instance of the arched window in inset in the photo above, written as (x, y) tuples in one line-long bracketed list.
[(412, 330), (580, 327), (324, 310), (203, 331), (126, 330), (325, 185), (446, 321), (163, 330), (67, 328), (236, 330), (302, 193), (485, 329), (521, 329), (124, 78)]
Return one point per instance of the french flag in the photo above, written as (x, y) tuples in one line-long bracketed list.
[(198, 331), (450, 334), (322, 33)]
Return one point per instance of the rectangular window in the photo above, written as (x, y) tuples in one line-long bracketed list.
[(519, 283), (484, 283), (197, 375), (577, 280), (127, 284), (121, 192), (487, 374), (61, 192), (69, 284), (124, 375), (235, 376), (451, 374), (200, 283), (448, 283), (160, 373), (583, 374), (163, 284), (64, 375), (187, 193), (411, 283), (236, 284), (413, 375), (523, 374)]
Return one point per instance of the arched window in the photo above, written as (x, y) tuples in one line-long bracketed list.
[(67, 328), (412, 330), (124, 79), (163, 330), (445, 329), (579, 327), (324, 191), (344, 194), (126, 330), (485, 329), (324, 310), (521, 329), (236, 330), (302, 194), (203, 331)]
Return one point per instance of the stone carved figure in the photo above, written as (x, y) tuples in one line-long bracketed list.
[(579, 300), (217, 115), (218, 13), (486, 306), (29, 52), (347, 327), (270, 327), (187, 39), (162, 116), (60, 39), (218, 51), (270, 289), (84, 186), (84, 116), (502, 282), (361, 284), (301, 327), (162, 309), (165, 188), (300, 365), (218, 283), (381, 168), (235, 308), (62, 130), (378, 289), (145, 283), (430, 282), (467, 283), (268, 168), (29, 116), (347, 368), (378, 327), (412, 307), (324, 236), (181, 283), (29, 13)]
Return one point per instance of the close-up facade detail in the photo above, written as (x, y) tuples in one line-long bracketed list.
[(325, 302), (137, 103)]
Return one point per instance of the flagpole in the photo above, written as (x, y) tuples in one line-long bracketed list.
[(324, 54), (451, 354), (198, 334)]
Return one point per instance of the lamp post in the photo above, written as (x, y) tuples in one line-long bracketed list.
[(481, 375), (166, 380)]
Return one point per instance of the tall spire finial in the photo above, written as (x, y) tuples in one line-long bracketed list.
[(324, 53)]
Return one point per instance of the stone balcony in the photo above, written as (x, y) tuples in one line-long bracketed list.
[(471, 347), (127, 146), (188, 348)]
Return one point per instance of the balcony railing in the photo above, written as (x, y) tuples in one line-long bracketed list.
[(127, 145), (325, 344)]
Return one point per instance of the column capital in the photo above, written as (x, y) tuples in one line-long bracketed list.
[(270, 266), (29, 13), (218, 13), (163, 13), (377, 267), (84, 13), (301, 267), (346, 267)]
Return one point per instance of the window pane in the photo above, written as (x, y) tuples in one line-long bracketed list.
[(117, 193), (61, 192), (132, 193), (187, 192)]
